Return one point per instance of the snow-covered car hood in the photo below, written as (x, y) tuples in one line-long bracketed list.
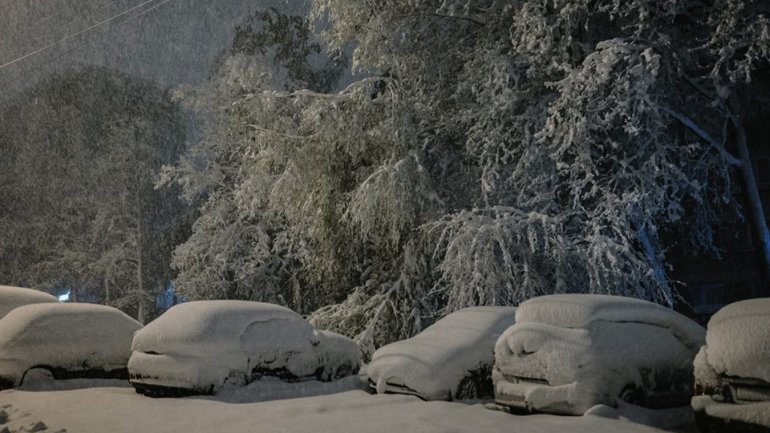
[(738, 340), (543, 353), (433, 362), (426, 365)]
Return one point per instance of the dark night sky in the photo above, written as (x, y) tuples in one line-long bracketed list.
[(168, 41)]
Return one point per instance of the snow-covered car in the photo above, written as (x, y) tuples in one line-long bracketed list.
[(569, 352), (199, 347), (450, 360), (732, 371), (67, 340), (12, 297)]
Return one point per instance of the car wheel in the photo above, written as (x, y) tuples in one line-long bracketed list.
[(342, 371), (632, 394), (467, 389), (37, 374)]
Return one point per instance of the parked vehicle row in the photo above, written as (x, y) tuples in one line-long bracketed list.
[(194, 348), (559, 354), (564, 354)]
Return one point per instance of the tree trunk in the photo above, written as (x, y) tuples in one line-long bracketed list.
[(658, 266), (140, 313), (756, 210), (107, 291), (651, 247)]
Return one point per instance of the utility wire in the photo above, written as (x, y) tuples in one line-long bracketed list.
[(23, 73), (87, 29)]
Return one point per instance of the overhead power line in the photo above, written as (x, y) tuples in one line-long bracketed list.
[(87, 29), (23, 73)]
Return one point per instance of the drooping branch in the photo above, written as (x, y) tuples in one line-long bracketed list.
[(700, 132)]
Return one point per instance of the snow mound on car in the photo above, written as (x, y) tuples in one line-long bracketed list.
[(434, 362), (12, 297), (216, 326), (579, 310), (336, 349), (738, 340), (202, 344), (587, 363), (67, 336)]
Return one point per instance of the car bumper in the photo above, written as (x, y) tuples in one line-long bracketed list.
[(399, 388), (149, 371), (531, 396), (725, 417)]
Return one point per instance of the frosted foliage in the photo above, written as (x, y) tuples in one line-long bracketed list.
[(379, 312), (741, 41), (227, 258), (102, 229), (401, 190), (486, 152), (245, 73), (566, 113), (497, 256)]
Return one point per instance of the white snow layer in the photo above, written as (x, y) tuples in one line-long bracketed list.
[(753, 413), (71, 336), (215, 326), (200, 344), (433, 363), (738, 340), (120, 410), (578, 310), (12, 297)]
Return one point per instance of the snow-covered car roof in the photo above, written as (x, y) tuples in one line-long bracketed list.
[(12, 297), (435, 360), (738, 339), (757, 309), (579, 310), (213, 326), (67, 335)]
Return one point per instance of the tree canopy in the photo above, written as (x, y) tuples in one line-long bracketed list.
[(81, 153), (483, 152)]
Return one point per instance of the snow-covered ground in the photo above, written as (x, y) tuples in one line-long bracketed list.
[(316, 407)]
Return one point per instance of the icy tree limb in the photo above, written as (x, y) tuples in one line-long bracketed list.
[(658, 266), (461, 17), (700, 132)]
